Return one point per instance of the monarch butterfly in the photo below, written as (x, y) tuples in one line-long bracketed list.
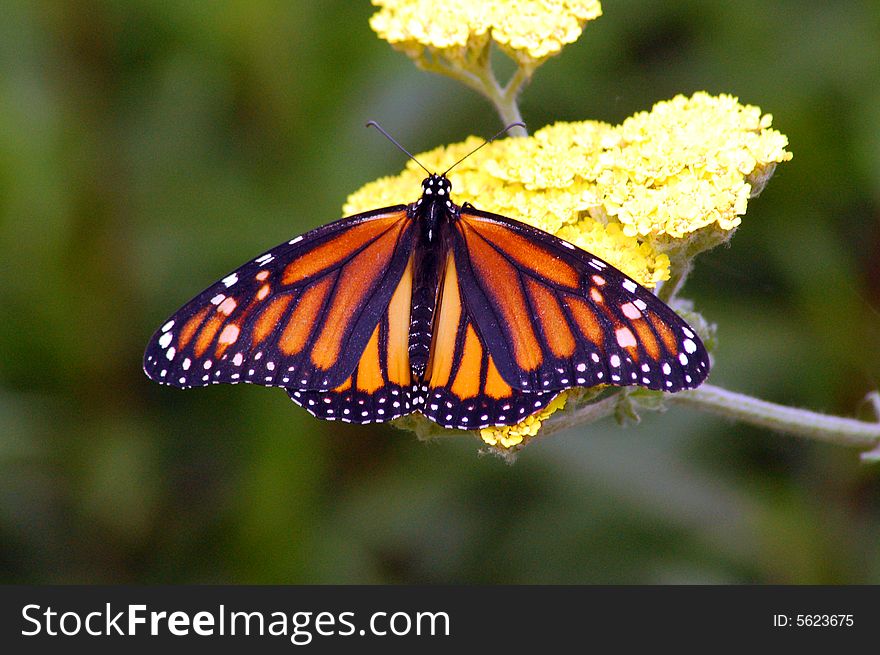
[(471, 318)]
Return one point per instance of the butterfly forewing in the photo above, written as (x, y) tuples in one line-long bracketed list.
[(554, 316), (299, 315)]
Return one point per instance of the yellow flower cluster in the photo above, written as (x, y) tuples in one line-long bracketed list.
[(513, 436), (526, 29), (688, 164), (625, 193)]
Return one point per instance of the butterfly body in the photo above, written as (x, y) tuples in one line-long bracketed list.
[(471, 318), (432, 214)]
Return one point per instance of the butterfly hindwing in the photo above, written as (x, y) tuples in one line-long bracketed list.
[(464, 388), (379, 387), (554, 316), (299, 315)]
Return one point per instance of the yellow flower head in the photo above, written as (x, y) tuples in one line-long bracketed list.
[(628, 194), (689, 163), (516, 436), (456, 29)]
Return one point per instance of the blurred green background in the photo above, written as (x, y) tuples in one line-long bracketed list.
[(147, 148)]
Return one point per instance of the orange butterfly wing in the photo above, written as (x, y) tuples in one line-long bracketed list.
[(464, 387), (379, 387), (553, 316), (299, 315)]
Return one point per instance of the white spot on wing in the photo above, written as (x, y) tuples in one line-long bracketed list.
[(625, 337), (168, 326), (629, 285), (229, 335), (629, 310), (165, 340), (227, 306), (229, 280)]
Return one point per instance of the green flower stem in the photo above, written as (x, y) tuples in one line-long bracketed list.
[(670, 288), (505, 100), (480, 77), (569, 418), (799, 422)]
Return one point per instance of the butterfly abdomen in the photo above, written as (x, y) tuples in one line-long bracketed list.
[(420, 332), (426, 278)]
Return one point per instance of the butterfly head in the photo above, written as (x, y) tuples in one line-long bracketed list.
[(436, 185)]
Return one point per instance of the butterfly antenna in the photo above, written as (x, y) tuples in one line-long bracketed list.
[(394, 141), (485, 143)]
